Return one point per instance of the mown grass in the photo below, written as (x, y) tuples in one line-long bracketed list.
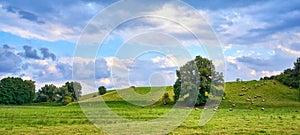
[(280, 116)]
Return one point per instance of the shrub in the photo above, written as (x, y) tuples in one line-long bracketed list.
[(166, 99), (66, 100)]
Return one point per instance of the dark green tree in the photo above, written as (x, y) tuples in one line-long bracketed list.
[(16, 91), (101, 90), (197, 78), (290, 76)]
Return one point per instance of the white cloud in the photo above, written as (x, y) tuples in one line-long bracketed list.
[(115, 63), (165, 62), (105, 82), (270, 73), (50, 31), (288, 50), (253, 73)]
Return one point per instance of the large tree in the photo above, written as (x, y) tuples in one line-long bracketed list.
[(197, 78), (16, 91)]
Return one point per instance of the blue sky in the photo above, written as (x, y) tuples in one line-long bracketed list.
[(38, 40)]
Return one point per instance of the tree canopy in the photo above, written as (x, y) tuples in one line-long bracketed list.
[(70, 91), (290, 76), (15, 90), (197, 78), (101, 90), (48, 93)]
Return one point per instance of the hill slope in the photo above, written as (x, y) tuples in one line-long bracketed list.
[(247, 94), (266, 93)]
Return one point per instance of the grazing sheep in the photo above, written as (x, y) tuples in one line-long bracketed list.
[(242, 94), (230, 109), (255, 96), (196, 108), (263, 100), (251, 108), (233, 105), (258, 95), (262, 108)]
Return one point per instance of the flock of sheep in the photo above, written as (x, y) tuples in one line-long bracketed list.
[(251, 99)]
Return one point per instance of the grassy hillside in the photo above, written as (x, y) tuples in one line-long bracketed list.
[(266, 93), (112, 95), (280, 116)]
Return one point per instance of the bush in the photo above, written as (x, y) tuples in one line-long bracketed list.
[(66, 100), (166, 99)]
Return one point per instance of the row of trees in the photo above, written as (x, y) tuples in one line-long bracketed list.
[(289, 77), (14, 90), (69, 92)]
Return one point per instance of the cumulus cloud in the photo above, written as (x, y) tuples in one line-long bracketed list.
[(43, 20), (31, 53), (46, 54), (10, 61)]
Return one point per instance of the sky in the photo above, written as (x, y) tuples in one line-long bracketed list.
[(41, 40)]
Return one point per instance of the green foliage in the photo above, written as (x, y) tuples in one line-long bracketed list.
[(74, 89), (196, 78), (291, 76), (66, 100), (166, 99), (65, 94), (47, 93), (16, 91), (101, 90)]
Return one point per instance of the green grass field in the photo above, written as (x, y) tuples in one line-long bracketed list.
[(280, 115)]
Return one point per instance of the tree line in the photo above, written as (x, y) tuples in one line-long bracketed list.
[(289, 77), (15, 90)]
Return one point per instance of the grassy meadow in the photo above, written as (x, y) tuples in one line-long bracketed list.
[(236, 114)]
